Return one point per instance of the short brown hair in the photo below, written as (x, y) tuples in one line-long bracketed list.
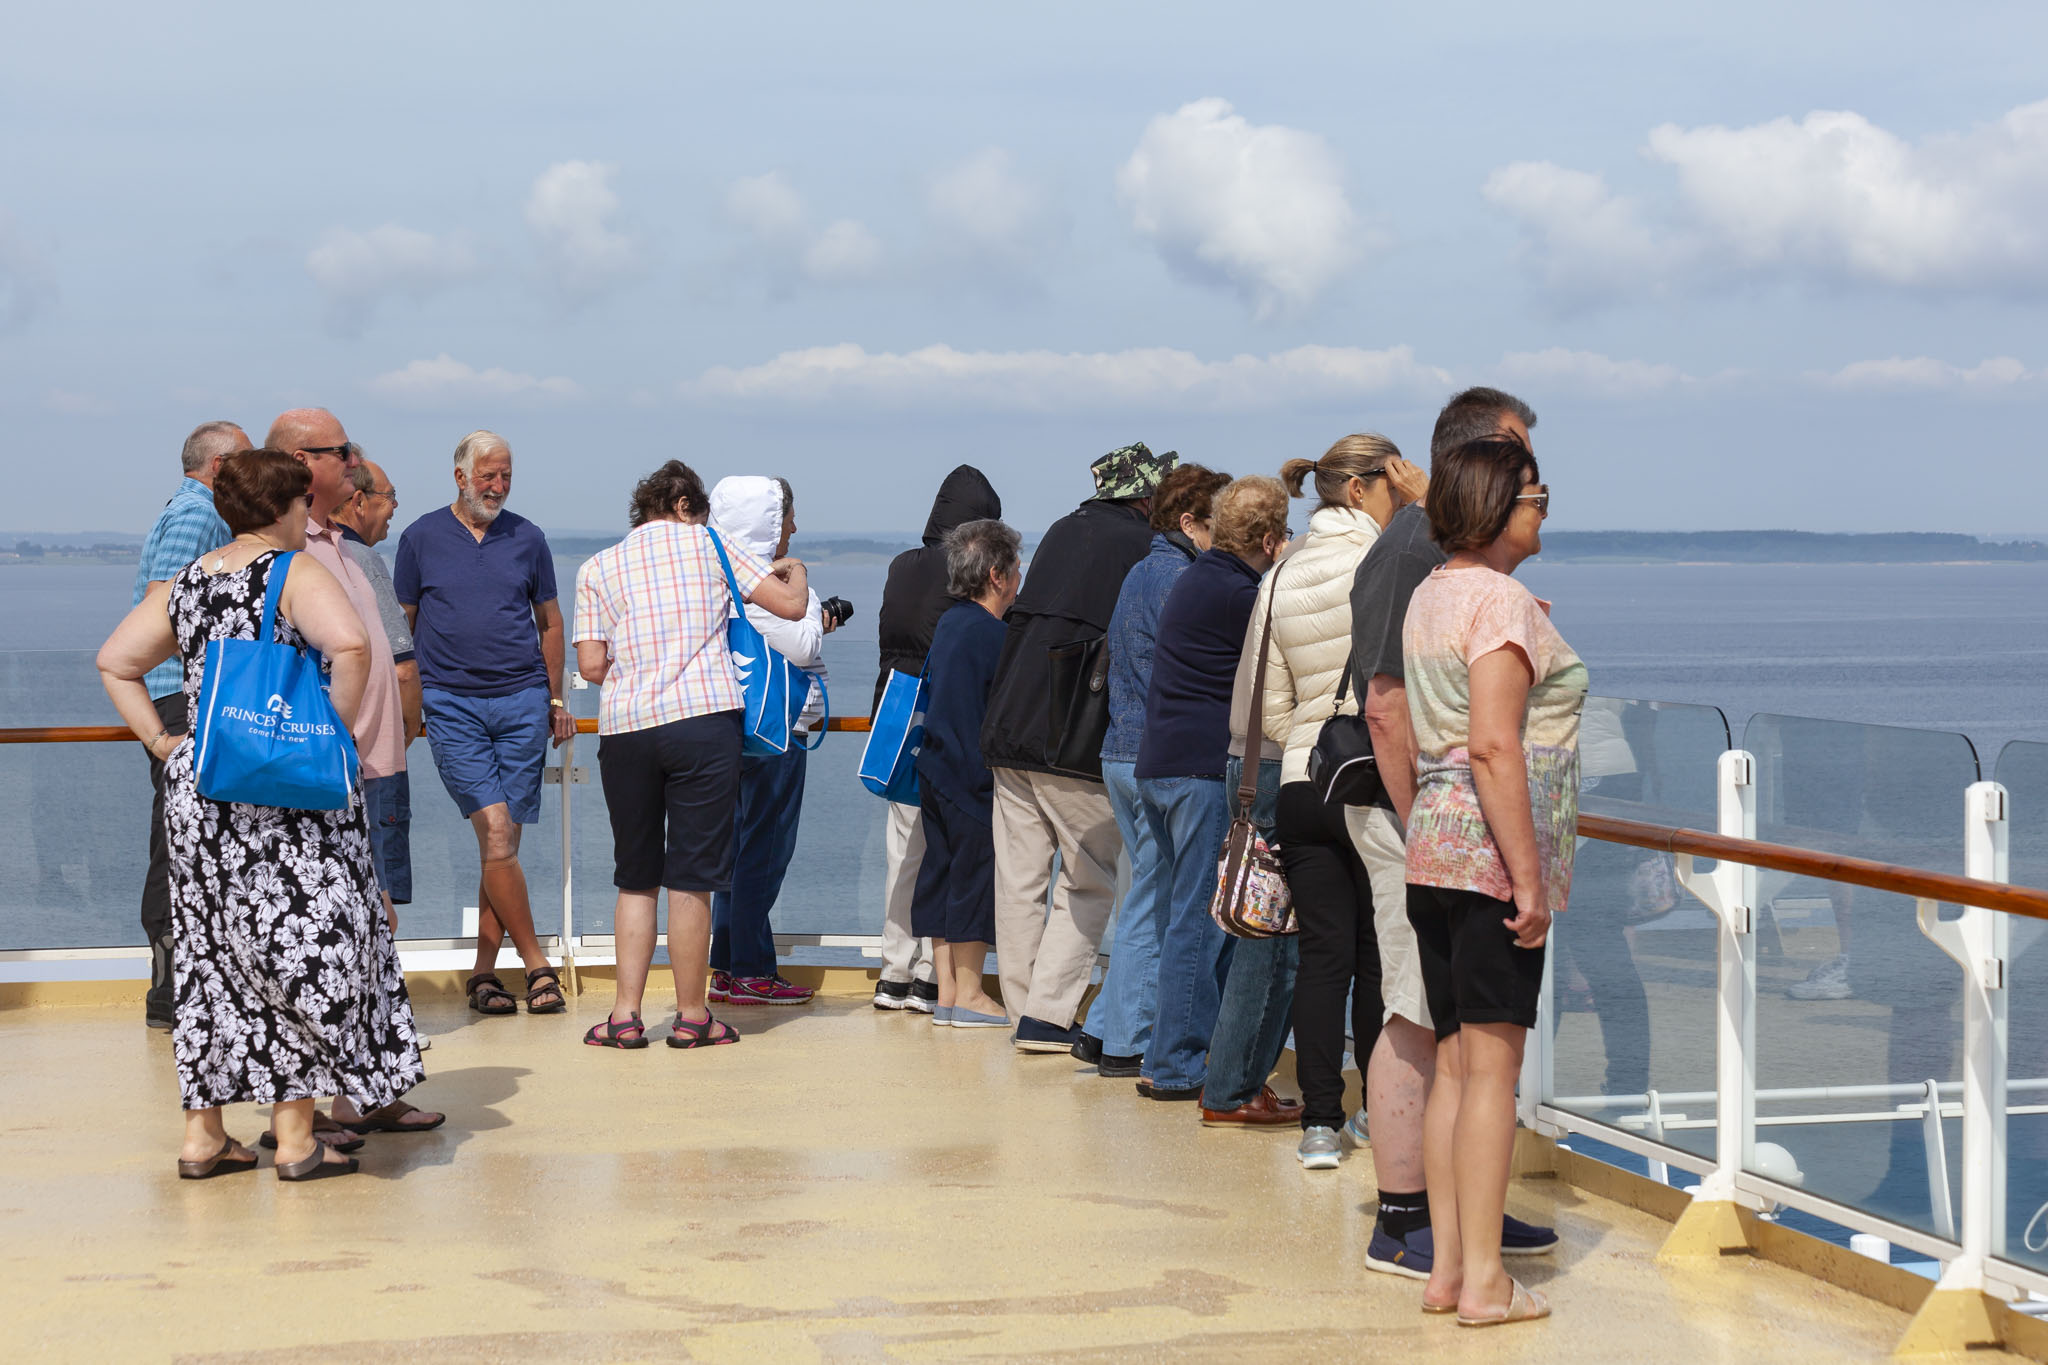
[(656, 496), (1472, 491), (1248, 511), (1190, 488), (1364, 455), (1475, 415), (255, 488)]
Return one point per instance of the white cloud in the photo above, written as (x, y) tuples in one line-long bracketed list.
[(72, 403), (990, 213), (445, 381), (570, 212), (1829, 197), (768, 207), (774, 215), (843, 253), (357, 270), (1924, 374), (1588, 373), (941, 377), (1259, 209), (27, 286)]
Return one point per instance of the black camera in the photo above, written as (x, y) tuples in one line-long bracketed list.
[(837, 610)]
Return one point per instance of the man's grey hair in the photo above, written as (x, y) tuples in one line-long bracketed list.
[(475, 444), (976, 549), (1475, 415), (209, 439), (360, 478)]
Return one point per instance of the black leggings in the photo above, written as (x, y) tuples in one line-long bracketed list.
[(1340, 952)]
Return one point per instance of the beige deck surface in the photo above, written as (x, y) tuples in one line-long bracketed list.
[(843, 1185)]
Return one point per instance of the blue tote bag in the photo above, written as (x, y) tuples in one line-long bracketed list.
[(266, 733), (888, 766), (775, 689)]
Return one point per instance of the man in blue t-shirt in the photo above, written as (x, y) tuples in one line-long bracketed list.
[(186, 528), (478, 587)]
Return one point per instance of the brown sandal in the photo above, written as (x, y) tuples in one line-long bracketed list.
[(545, 981), (487, 995), (222, 1162)]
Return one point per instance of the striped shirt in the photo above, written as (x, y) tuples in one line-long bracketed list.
[(658, 599), (187, 528)]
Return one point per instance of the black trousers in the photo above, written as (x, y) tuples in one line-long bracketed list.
[(1340, 952), (156, 883), (156, 886)]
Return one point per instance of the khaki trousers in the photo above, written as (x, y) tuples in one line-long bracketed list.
[(905, 957), (1046, 955), (1385, 855)]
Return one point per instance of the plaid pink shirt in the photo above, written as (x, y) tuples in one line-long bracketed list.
[(658, 599)]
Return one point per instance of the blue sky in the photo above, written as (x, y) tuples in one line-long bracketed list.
[(1754, 265)]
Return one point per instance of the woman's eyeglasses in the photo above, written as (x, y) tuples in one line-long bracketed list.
[(1541, 497)]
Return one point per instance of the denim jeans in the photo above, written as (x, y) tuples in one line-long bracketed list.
[(1189, 817), (1258, 998), (771, 798), (1122, 1014)]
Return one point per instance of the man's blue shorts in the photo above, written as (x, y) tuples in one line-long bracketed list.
[(490, 750), (387, 801)]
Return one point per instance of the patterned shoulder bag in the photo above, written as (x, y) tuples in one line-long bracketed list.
[(1252, 898)]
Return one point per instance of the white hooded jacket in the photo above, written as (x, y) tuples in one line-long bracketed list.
[(747, 510), (1312, 633)]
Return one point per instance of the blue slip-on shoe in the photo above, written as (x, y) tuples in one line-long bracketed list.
[(1035, 1035), (1411, 1256), (1518, 1238), (942, 1016), (966, 1018)]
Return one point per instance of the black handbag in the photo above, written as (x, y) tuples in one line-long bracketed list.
[(1077, 676), (1341, 767)]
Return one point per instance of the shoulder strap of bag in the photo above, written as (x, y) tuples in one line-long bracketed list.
[(1255, 705), (273, 588), (733, 584)]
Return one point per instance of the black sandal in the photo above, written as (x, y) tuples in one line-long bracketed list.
[(543, 981), (487, 995), (611, 1033), (698, 1033), (316, 1166)]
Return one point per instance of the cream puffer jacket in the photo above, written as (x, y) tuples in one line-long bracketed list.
[(1311, 637)]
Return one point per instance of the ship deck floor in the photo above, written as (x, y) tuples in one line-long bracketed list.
[(846, 1184)]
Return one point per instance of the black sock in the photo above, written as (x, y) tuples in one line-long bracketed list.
[(1401, 1214)]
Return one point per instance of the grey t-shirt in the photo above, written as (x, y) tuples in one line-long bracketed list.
[(373, 567), (1387, 577)]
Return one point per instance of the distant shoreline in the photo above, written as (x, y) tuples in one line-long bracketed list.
[(1716, 549)]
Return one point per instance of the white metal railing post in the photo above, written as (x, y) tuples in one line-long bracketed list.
[(1730, 892), (1538, 1079), (571, 679), (1977, 943)]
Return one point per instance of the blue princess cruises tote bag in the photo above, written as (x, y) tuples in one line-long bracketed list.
[(888, 766), (775, 689), (266, 733)]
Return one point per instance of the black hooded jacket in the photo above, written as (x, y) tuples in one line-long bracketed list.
[(1076, 573), (915, 596)]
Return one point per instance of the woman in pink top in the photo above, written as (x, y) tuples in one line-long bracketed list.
[(1494, 693)]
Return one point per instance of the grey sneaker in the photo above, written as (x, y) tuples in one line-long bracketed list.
[(1828, 981), (1319, 1150), (1354, 1132)]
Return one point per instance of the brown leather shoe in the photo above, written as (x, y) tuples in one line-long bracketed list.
[(1266, 1111)]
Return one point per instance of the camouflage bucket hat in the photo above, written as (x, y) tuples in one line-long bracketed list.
[(1130, 471)]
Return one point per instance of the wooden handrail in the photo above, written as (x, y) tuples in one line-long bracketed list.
[(1834, 867), (1807, 862)]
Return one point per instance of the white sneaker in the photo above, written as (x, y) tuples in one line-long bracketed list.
[(1354, 1132), (1828, 981), (1319, 1150)]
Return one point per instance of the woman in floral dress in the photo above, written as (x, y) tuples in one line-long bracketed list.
[(288, 984)]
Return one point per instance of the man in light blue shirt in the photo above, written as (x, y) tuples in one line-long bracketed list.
[(186, 528)]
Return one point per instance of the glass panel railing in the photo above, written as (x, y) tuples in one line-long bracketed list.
[(2023, 771), (1632, 961), (1857, 1013)]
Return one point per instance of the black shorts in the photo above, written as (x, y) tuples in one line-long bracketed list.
[(1472, 970), (955, 899), (672, 791)]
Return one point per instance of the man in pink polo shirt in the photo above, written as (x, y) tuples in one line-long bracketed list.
[(314, 437)]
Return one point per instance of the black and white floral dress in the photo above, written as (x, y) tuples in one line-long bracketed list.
[(288, 984)]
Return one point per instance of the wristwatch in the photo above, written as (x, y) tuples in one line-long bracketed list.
[(557, 701)]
